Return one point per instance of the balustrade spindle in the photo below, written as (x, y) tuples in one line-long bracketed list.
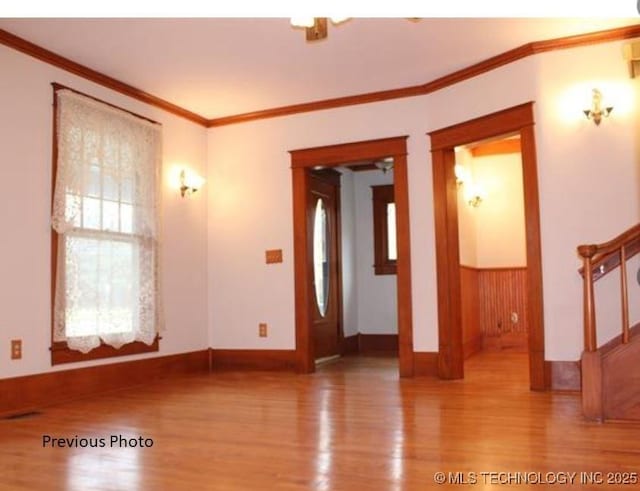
[(624, 294), (590, 342)]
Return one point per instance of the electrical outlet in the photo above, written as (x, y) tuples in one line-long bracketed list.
[(514, 318), (16, 349), (262, 330)]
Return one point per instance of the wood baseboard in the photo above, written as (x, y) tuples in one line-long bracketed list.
[(30, 392), (564, 375), (425, 363), (378, 343), (351, 345), (472, 346), (247, 359)]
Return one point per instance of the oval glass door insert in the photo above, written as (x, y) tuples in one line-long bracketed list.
[(321, 256)]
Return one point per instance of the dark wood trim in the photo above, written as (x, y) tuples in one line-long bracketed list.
[(445, 197), (362, 167), (502, 268), (246, 359), (499, 147), (564, 375), (350, 345), (592, 386), (33, 392), (586, 39), (334, 156), (60, 353), (471, 347), (507, 121), (378, 343), (54, 234), (381, 197), (38, 52), (426, 363), (517, 119), (461, 75), (42, 54), (56, 87)]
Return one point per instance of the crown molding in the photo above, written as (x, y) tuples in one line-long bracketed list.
[(43, 54), (536, 47), (461, 75)]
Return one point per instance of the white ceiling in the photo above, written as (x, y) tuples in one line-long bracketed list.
[(219, 67)]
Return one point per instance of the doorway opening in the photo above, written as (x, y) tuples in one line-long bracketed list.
[(493, 255), (367, 262), (514, 121), (310, 279)]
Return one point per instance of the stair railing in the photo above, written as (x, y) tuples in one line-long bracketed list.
[(598, 260)]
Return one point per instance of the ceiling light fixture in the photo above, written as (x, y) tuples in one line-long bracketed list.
[(384, 165), (315, 27)]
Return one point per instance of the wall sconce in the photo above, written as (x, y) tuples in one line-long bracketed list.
[(462, 174), (189, 182), (597, 112), (474, 194), (475, 201)]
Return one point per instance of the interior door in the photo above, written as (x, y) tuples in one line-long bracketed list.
[(323, 212)]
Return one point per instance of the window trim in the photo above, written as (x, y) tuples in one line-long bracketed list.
[(381, 197), (60, 352)]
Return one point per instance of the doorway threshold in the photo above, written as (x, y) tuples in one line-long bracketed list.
[(327, 359)]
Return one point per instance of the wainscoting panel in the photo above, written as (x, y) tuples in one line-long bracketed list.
[(503, 293), (490, 297), (470, 299)]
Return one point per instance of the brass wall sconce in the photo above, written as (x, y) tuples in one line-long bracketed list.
[(473, 193), (475, 201), (597, 112), (189, 183)]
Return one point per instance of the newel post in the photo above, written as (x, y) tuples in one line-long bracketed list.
[(589, 307)]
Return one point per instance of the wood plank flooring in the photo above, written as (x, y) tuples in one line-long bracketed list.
[(353, 425)]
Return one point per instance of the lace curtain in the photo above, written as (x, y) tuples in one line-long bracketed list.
[(106, 212)]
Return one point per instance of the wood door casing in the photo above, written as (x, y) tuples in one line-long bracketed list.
[(302, 160), (324, 186), (518, 119)]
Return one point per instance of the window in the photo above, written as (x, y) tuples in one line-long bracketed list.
[(384, 230), (105, 230)]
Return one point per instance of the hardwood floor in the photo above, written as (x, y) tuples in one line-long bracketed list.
[(353, 425)]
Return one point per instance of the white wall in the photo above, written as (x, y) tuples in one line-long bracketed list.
[(349, 253), (500, 228), (466, 215), (492, 235), (589, 180), (369, 300), (25, 201), (377, 297)]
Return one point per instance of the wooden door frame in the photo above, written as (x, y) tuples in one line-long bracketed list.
[(518, 119), (333, 156)]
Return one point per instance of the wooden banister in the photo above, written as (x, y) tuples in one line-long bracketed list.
[(605, 257), (598, 260)]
